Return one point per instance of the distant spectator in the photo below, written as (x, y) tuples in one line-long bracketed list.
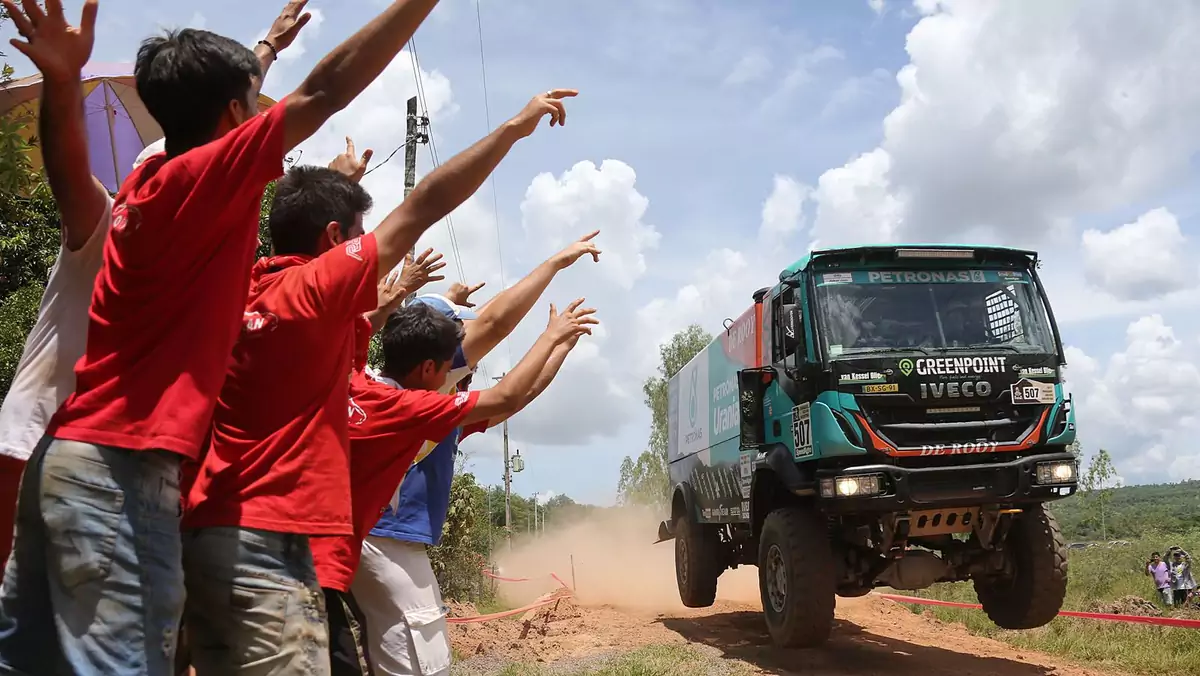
[(1183, 585), (1161, 572)]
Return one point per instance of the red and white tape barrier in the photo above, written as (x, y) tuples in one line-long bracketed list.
[(563, 592), (1107, 617)]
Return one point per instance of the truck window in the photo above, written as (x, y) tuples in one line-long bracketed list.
[(904, 310)]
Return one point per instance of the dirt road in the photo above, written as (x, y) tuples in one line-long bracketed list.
[(872, 636), (627, 599)]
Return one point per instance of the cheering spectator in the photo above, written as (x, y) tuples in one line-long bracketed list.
[(1161, 572), (1182, 582)]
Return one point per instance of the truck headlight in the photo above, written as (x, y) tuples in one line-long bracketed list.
[(1062, 472), (857, 486)]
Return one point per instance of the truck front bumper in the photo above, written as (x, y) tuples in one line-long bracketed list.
[(886, 488)]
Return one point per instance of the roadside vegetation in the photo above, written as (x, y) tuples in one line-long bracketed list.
[(1114, 530)]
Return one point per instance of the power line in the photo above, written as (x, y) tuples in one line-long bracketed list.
[(433, 152), (436, 159), (487, 115)]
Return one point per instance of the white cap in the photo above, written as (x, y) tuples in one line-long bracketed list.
[(159, 146)]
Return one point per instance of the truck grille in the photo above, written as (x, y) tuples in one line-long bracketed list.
[(931, 486), (908, 426)]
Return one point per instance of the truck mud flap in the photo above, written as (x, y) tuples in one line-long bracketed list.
[(664, 532)]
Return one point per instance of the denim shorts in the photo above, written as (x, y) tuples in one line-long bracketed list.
[(95, 582), (253, 604)]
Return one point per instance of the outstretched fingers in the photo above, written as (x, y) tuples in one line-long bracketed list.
[(20, 21)]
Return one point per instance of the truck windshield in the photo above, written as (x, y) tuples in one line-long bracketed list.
[(924, 310)]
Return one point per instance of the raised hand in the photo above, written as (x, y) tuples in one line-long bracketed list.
[(288, 24), (420, 271), (550, 104), (578, 249), (570, 323), (350, 164), (57, 48), (460, 294)]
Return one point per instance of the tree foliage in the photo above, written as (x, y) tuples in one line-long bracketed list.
[(18, 311), (457, 561), (1131, 512), (1097, 484), (645, 480)]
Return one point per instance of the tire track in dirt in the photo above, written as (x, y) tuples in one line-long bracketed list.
[(872, 636), (627, 598)]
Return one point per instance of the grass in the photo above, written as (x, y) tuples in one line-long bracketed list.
[(1097, 575), (655, 660)]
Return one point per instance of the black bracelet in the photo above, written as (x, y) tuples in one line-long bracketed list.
[(274, 52)]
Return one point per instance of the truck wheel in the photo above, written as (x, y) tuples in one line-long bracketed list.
[(697, 562), (796, 577), (1034, 594)]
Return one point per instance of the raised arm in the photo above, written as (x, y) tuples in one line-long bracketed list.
[(60, 51), (549, 372), (452, 183), (353, 65), (509, 395), (397, 286), (282, 33), (500, 316)]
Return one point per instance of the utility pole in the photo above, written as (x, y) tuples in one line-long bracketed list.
[(535, 511), (507, 487), (507, 481), (416, 132)]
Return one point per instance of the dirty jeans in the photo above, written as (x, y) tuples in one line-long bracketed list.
[(253, 603), (94, 584)]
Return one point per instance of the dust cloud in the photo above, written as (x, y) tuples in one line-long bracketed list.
[(615, 564)]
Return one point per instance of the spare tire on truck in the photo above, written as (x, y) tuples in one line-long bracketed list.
[(697, 561), (796, 577), (1033, 594)]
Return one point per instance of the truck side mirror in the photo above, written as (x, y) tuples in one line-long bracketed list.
[(793, 325), (752, 388)]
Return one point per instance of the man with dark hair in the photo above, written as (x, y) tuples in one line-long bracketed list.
[(395, 586), (71, 499), (277, 470), (309, 202), (392, 415)]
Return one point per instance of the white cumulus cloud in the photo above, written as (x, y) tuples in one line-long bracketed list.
[(1014, 117), (1142, 260), (1137, 403)]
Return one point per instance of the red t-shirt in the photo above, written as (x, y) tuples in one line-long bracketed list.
[(167, 304), (279, 454), (388, 425)]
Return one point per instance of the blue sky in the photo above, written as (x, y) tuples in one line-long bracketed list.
[(713, 143)]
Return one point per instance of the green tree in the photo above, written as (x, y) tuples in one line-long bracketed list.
[(1098, 483), (459, 559), (264, 215), (645, 481), (18, 311)]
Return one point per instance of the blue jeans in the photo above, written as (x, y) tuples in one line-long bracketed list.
[(253, 605), (94, 584)]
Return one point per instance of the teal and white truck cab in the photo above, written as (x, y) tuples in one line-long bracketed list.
[(883, 416)]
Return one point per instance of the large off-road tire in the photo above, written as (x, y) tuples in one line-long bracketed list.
[(796, 577), (697, 561), (1033, 595)]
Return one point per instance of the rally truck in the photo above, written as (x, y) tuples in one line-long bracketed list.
[(884, 416)]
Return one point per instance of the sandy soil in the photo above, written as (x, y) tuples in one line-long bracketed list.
[(626, 598)]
